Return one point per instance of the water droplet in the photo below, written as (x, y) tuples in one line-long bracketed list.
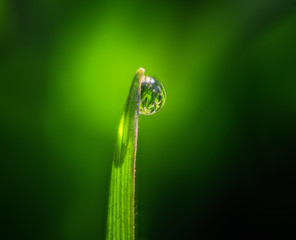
[(153, 96)]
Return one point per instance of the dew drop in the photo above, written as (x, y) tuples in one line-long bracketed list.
[(153, 96)]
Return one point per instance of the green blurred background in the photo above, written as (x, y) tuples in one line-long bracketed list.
[(217, 162)]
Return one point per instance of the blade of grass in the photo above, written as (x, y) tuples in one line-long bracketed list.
[(121, 207)]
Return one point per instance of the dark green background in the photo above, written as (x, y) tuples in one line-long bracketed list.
[(217, 162)]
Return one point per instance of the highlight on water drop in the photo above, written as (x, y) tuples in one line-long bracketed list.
[(153, 96)]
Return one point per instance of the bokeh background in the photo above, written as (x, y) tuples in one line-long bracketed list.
[(217, 162)]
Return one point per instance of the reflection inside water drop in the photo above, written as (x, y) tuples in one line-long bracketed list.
[(153, 96)]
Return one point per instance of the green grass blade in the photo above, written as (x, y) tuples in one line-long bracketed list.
[(121, 213)]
